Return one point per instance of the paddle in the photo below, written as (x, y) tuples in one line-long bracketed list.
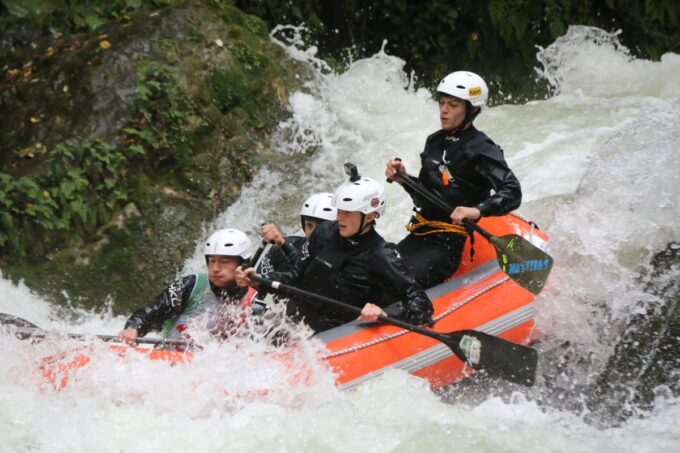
[(10, 320), (24, 329), (524, 263), (254, 260), (499, 358)]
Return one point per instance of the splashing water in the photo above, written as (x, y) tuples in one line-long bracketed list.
[(599, 173)]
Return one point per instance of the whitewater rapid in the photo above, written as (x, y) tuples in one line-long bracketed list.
[(598, 166)]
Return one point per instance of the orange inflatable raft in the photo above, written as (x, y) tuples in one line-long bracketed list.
[(479, 296)]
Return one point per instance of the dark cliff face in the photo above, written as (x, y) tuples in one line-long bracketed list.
[(118, 144), (645, 364), (635, 379)]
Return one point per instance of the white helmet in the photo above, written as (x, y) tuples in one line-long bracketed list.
[(465, 85), (365, 195), (318, 206), (228, 242)]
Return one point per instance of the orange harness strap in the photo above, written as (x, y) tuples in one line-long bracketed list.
[(424, 227)]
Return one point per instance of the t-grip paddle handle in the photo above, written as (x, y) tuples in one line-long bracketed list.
[(390, 179)]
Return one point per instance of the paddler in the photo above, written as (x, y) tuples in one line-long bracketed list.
[(348, 260), (211, 302), (462, 165), (315, 210)]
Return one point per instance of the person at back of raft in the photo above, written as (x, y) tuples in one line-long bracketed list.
[(212, 301), (463, 166), (316, 209), (348, 260)]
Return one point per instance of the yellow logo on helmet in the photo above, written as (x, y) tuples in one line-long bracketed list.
[(475, 91)]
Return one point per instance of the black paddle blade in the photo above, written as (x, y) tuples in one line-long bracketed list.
[(498, 357), (16, 325), (15, 321), (525, 263)]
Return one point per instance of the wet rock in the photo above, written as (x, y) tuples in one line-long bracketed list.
[(646, 362)]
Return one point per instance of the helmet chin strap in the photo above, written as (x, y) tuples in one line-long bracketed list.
[(470, 115), (362, 227)]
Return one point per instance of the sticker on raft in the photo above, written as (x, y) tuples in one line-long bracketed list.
[(472, 348), (526, 266)]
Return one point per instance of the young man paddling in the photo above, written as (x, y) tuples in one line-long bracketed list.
[(349, 261), (463, 166), (315, 210), (210, 302)]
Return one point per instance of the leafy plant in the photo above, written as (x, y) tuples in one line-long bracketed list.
[(84, 185), (228, 88), (84, 15), (497, 38), (163, 107)]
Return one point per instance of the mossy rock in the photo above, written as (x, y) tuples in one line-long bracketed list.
[(185, 95)]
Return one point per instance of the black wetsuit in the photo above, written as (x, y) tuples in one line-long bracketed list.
[(476, 166), (355, 271), (282, 259)]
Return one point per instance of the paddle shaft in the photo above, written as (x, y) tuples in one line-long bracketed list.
[(26, 329), (255, 259), (524, 263), (500, 358), (278, 286), (440, 203), (252, 262), (40, 333)]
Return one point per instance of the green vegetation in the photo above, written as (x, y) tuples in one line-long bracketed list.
[(497, 38), (151, 126), (78, 16), (229, 89), (71, 190), (82, 185), (160, 129)]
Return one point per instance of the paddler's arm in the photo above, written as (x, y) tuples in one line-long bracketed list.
[(507, 190), (279, 257), (393, 279), (170, 302), (292, 277), (291, 252), (271, 234)]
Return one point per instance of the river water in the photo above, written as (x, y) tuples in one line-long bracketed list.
[(597, 161)]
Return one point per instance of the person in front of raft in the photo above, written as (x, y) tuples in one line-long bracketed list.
[(211, 302), (462, 165), (348, 260), (315, 210)]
